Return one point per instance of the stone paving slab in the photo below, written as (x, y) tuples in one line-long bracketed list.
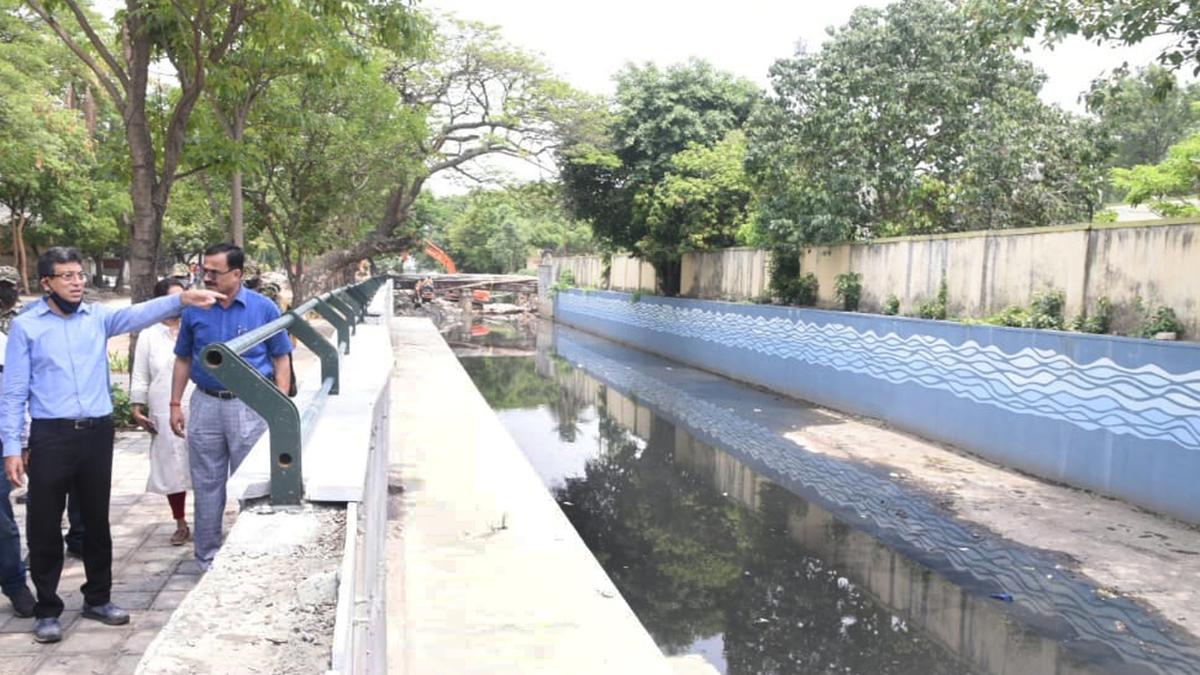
[(150, 579)]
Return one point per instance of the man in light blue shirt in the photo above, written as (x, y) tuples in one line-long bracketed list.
[(56, 364)]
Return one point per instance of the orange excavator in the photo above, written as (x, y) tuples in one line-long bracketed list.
[(434, 251)]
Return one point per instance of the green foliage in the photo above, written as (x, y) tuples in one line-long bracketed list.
[(1161, 320), (1011, 316), (1105, 216), (935, 308), (1142, 114), (122, 413), (801, 291), (699, 204), (1169, 187), (891, 306), (622, 174), (636, 296), (848, 287), (496, 231), (1046, 310), (908, 120), (118, 361), (1124, 21), (1098, 321), (566, 277)]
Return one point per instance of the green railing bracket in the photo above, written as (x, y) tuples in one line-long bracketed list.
[(280, 413), (359, 308), (338, 319), (330, 362), (345, 308)]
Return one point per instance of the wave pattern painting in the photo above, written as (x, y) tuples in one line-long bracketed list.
[(1146, 402)]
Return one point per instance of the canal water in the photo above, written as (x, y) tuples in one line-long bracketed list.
[(732, 543)]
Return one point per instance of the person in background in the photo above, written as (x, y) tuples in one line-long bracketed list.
[(56, 366), (220, 428), (183, 274), (150, 394), (12, 567)]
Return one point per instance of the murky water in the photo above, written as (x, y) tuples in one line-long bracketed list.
[(732, 543)]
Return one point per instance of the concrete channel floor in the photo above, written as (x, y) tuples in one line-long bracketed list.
[(150, 579)]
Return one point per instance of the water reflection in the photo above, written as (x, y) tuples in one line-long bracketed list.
[(717, 559)]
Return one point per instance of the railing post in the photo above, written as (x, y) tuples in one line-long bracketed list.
[(345, 308), (356, 307), (280, 413), (330, 364), (337, 317)]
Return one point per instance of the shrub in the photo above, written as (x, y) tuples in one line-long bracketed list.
[(1046, 310), (1011, 316), (1098, 321), (849, 290), (122, 413), (935, 309), (1162, 320), (118, 362), (891, 306), (806, 288)]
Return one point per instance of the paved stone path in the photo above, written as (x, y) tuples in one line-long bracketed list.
[(150, 578)]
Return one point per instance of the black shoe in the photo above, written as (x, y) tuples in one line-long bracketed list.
[(23, 602), (47, 630), (107, 613), (75, 552)]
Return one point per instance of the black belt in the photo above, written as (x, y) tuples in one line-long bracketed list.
[(75, 423), (224, 394)]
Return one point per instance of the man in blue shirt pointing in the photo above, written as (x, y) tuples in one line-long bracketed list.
[(56, 364)]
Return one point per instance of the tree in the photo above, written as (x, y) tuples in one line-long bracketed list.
[(701, 203), (54, 180), (495, 231), (1170, 186), (656, 115), (295, 42), (1125, 21), (903, 117), (194, 36), (1143, 114), (478, 97), (321, 163)]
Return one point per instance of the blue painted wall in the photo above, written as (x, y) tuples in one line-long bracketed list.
[(1115, 415)]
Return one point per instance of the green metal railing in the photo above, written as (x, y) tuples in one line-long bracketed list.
[(344, 308)]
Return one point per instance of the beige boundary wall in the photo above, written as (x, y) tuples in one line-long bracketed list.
[(730, 274), (1156, 261)]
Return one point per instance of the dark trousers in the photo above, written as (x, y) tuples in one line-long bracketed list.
[(62, 460)]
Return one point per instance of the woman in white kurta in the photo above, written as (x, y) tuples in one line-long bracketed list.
[(150, 393)]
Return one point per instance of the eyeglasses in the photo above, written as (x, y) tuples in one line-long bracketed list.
[(71, 276), (215, 273)]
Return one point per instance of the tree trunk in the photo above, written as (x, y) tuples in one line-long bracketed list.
[(120, 280), (146, 227), (237, 228), (22, 263)]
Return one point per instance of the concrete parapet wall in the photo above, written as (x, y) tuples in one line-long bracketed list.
[(1116, 415), (486, 574)]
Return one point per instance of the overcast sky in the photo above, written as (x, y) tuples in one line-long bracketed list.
[(587, 43)]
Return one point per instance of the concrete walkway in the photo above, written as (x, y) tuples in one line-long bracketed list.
[(150, 578)]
